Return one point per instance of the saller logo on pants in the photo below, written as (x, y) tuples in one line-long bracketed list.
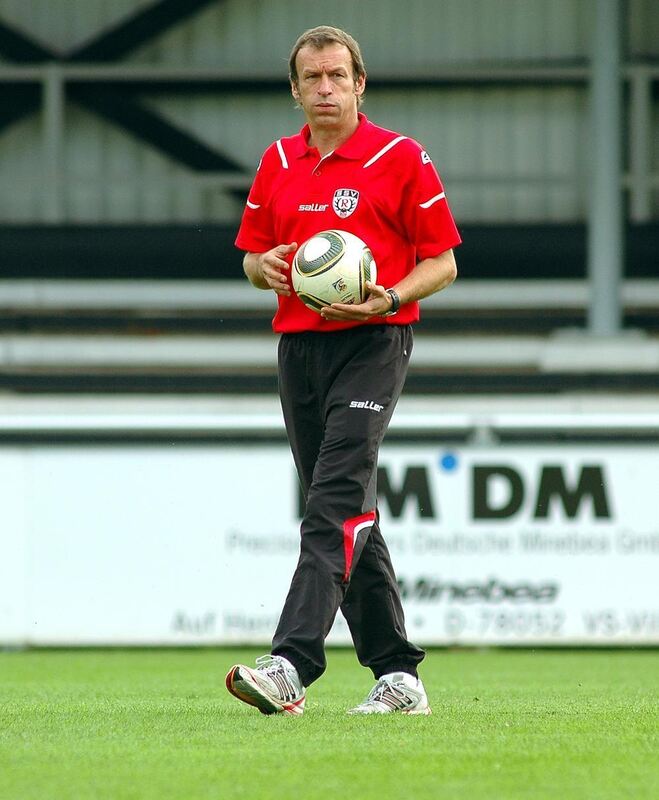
[(369, 404)]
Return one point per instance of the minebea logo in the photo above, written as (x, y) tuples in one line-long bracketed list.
[(313, 207), (429, 589), (368, 404), (345, 202)]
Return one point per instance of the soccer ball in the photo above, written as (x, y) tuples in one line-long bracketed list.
[(333, 267)]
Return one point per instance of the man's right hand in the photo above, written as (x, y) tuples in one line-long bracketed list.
[(269, 270)]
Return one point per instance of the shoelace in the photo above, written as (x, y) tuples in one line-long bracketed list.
[(274, 668), (269, 663), (381, 688)]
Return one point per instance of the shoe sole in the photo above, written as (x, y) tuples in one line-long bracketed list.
[(424, 712), (245, 689)]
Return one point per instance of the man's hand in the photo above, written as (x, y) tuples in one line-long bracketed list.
[(269, 270), (428, 276), (377, 304)]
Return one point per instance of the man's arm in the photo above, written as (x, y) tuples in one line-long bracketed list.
[(428, 276), (267, 270)]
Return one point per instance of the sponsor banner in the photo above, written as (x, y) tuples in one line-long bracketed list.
[(526, 544), (196, 544), (13, 547)]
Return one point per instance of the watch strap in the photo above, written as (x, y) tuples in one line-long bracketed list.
[(395, 302)]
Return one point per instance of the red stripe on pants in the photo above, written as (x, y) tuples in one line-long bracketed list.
[(351, 528)]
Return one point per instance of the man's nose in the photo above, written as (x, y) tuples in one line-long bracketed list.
[(325, 86)]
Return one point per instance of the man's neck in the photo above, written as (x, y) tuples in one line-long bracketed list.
[(327, 140)]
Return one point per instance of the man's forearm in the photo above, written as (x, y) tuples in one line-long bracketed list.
[(428, 276), (253, 270), (270, 270)]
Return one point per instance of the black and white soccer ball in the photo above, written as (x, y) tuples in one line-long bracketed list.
[(333, 267)]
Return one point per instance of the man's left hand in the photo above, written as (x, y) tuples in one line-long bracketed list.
[(377, 305)]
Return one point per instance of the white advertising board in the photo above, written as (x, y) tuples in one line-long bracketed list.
[(183, 544)]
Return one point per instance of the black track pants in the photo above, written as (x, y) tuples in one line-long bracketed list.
[(338, 392)]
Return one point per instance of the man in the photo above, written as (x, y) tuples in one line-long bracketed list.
[(341, 171)]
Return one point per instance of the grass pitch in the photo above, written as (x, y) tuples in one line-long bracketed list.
[(159, 724)]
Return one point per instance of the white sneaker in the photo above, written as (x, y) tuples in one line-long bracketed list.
[(395, 692), (274, 687)]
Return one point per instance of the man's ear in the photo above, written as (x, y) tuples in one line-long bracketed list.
[(294, 91), (360, 85)]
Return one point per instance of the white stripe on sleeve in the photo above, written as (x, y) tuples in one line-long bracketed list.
[(282, 155), (384, 150), (432, 200), (253, 205)]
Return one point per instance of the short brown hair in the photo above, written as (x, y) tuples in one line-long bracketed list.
[(318, 38)]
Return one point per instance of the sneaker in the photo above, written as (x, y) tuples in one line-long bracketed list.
[(396, 691), (274, 687)]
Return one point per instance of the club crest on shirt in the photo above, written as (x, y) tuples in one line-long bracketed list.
[(345, 202)]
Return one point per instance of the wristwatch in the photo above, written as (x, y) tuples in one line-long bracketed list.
[(395, 303)]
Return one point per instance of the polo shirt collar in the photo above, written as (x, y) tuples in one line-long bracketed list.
[(354, 148)]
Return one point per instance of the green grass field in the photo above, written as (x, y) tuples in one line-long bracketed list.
[(159, 724)]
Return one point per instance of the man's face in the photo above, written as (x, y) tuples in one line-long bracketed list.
[(326, 88)]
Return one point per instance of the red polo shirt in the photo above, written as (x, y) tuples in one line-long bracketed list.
[(378, 185)]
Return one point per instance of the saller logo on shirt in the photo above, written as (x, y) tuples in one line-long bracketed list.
[(312, 207), (345, 202)]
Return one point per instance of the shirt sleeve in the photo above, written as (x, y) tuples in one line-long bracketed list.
[(428, 218), (256, 232)]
